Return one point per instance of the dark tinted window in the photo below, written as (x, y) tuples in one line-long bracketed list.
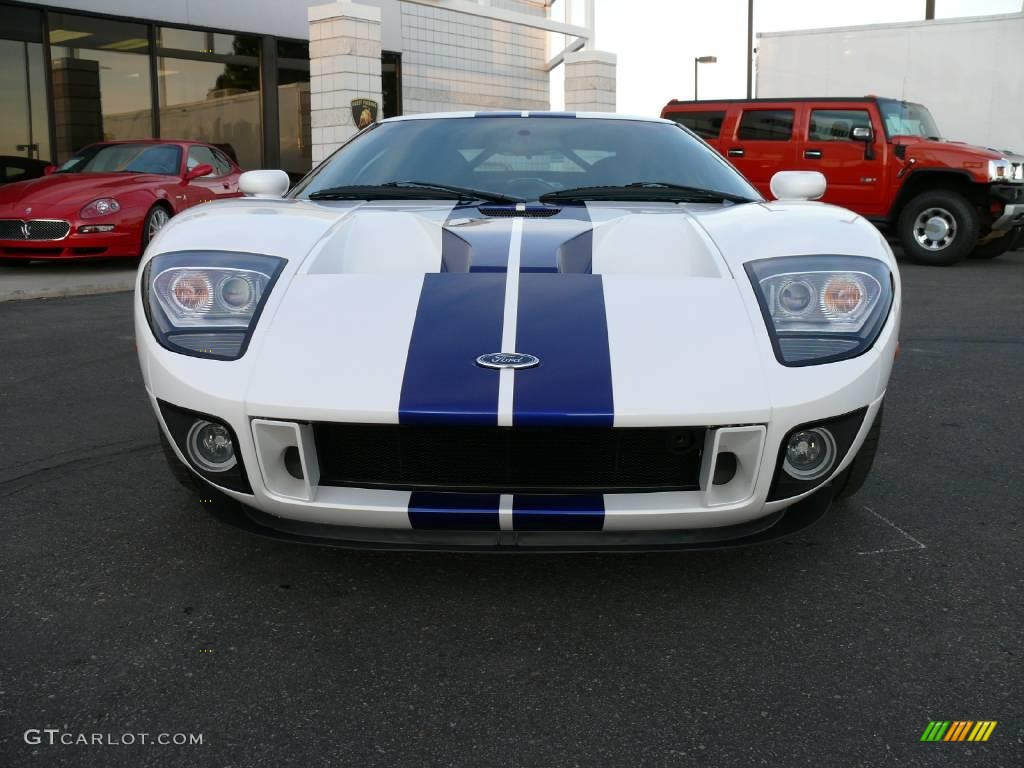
[(766, 124), (707, 125), (526, 157), (836, 124)]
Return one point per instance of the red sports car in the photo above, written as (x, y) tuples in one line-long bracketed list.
[(110, 199)]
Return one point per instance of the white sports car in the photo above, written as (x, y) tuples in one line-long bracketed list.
[(520, 330)]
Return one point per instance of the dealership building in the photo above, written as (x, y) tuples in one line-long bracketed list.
[(278, 83)]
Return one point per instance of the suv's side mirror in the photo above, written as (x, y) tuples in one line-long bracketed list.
[(865, 134), (264, 183), (203, 169)]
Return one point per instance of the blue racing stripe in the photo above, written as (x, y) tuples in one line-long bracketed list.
[(459, 317), (562, 321), (558, 513), (475, 242), (454, 511), (556, 243)]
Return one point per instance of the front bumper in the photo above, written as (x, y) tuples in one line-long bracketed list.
[(118, 243)]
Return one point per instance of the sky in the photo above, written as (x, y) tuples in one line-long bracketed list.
[(657, 40)]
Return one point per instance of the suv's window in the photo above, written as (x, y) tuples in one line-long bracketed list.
[(903, 118), (200, 155), (836, 124), (707, 125), (766, 125)]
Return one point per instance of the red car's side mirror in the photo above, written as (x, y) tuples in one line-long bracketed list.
[(49, 169), (203, 169)]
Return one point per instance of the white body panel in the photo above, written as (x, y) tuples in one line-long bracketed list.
[(687, 342)]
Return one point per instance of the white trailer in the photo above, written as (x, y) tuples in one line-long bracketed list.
[(969, 72)]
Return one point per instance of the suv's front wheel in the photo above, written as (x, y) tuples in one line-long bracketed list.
[(938, 228)]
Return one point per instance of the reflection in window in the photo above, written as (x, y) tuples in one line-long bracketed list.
[(836, 124), (100, 81), (24, 131), (293, 109), (212, 97), (766, 125), (707, 125)]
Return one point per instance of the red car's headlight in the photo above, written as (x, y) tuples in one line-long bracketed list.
[(102, 206)]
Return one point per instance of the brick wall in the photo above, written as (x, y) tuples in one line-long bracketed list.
[(455, 61)]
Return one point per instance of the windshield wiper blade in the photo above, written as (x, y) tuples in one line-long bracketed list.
[(408, 190), (465, 192), (646, 191)]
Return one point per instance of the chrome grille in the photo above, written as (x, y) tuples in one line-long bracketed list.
[(33, 229)]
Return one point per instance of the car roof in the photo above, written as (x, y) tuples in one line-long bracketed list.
[(526, 113), (788, 99)]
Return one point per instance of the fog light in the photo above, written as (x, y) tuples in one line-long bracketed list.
[(810, 453), (210, 446), (90, 229)]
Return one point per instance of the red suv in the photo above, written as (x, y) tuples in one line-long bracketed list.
[(883, 159)]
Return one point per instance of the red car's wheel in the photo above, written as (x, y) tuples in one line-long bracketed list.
[(157, 217)]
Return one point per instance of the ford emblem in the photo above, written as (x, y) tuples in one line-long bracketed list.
[(513, 360)]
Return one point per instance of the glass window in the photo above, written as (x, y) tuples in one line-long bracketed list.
[(101, 81), (905, 119), (391, 84), (836, 124), (222, 164), (164, 159), (293, 108), (200, 155), (492, 153), (766, 125), (707, 125), (213, 94), (24, 125)]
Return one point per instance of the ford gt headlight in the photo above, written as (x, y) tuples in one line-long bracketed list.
[(820, 309), (207, 303)]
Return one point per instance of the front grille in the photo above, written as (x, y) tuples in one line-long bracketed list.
[(510, 460), (33, 229)]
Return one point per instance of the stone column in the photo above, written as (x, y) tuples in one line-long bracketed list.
[(77, 110), (590, 81), (344, 65)]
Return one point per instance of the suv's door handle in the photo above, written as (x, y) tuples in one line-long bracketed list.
[(735, 153), (812, 154)]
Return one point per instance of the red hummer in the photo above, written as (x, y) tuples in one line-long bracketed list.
[(883, 159)]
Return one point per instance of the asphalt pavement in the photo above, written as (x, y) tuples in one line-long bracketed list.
[(126, 609)]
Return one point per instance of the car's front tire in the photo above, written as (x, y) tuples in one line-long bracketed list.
[(938, 228), (852, 478)]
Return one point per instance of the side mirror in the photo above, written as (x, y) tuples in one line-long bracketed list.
[(862, 133), (798, 185), (50, 169), (203, 169), (264, 183)]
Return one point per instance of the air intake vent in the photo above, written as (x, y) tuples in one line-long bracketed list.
[(528, 213)]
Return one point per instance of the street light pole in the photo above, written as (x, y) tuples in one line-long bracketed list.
[(697, 61), (750, 49)]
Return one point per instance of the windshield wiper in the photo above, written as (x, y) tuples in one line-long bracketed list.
[(409, 190), (646, 191)]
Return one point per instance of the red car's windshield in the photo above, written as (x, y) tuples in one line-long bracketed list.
[(126, 158)]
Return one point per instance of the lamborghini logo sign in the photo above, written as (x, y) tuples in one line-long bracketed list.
[(364, 112)]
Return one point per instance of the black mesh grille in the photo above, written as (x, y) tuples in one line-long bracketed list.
[(33, 229), (508, 460), (529, 213)]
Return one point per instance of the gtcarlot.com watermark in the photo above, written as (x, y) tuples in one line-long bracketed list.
[(55, 737)]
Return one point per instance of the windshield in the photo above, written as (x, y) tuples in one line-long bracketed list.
[(525, 158), (905, 119), (164, 159)]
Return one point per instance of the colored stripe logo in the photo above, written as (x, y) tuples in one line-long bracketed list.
[(958, 730)]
